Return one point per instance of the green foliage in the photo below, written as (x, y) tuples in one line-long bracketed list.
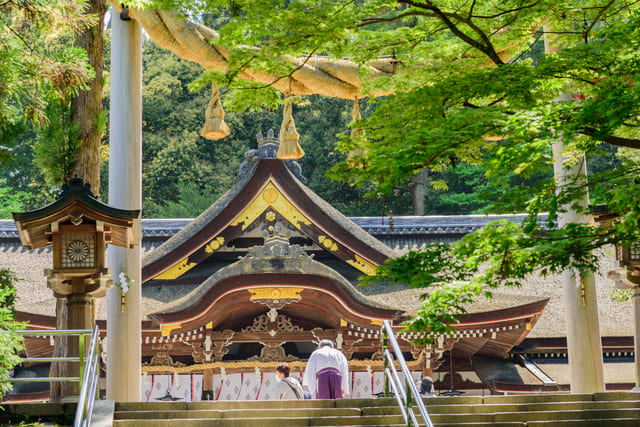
[(621, 295), (447, 286), (38, 65), (57, 144), (25, 180), (473, 100), (10, 342), (320, 122), (184, 173), (441, 307), (11, 201), (473, 88), (191, 203)]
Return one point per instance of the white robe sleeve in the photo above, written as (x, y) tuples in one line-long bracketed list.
[(344, 371), (309, 377)]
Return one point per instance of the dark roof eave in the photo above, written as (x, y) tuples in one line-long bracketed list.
[(74, 195)]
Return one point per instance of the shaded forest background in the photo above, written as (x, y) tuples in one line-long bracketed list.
[(184, 173)]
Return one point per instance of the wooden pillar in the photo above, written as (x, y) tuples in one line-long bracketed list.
[(81, 316), (427, 368), (125, 192), (207, 385)]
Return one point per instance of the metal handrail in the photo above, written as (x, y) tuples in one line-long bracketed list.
[(55, 332), (88, 377), (404, 398), (84, 411)]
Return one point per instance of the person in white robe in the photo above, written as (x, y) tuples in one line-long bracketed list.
[(327, 373)]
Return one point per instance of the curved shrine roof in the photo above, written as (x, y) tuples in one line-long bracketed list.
[(307, 243)]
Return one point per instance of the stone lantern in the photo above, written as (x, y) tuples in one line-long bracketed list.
[(627, 277), (78, 226), (627, 272), (628, 267)]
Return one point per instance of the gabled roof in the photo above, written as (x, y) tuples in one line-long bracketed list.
[(289, 241), (266, 191)]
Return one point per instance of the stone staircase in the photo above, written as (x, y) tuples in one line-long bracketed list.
[(619, 409)]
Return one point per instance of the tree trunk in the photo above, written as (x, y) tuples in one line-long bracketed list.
[(87, 111), (87, 106), (419, 192)]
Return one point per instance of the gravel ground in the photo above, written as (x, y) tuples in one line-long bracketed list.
[(616, 318)]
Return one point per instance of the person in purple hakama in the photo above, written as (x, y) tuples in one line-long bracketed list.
[(327, 372)]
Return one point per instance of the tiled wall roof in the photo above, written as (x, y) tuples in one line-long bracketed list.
[(402, 232)]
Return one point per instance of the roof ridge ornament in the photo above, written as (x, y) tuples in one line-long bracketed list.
[(77, 184), (276, 243), (267, 149)]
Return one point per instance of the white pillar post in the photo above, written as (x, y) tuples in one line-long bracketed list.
[(125, 192), (584, 345), (636, 335)]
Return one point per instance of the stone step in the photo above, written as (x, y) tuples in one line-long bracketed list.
[(455, 401), (239, 413), (530, 416), (321, 417), (570, 415), (600, 409), (616, 395), (610, 422), (487, 424), (212, 423), (265, 422), (515, 407), (292, 422), (381, 420), (556, 397), (228, 404)]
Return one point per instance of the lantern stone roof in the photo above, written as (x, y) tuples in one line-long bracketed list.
[(77, 204)]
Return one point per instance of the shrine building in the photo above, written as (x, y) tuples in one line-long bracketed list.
[(270, 268)]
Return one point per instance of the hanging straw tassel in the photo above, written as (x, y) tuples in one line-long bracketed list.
[(214, 125), (357, 135), (289, 148), (355, 115)]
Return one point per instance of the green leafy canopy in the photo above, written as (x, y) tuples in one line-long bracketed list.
[(10, 342), (472, 86)]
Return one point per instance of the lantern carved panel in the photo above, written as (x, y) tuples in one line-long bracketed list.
[(78, 251)]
